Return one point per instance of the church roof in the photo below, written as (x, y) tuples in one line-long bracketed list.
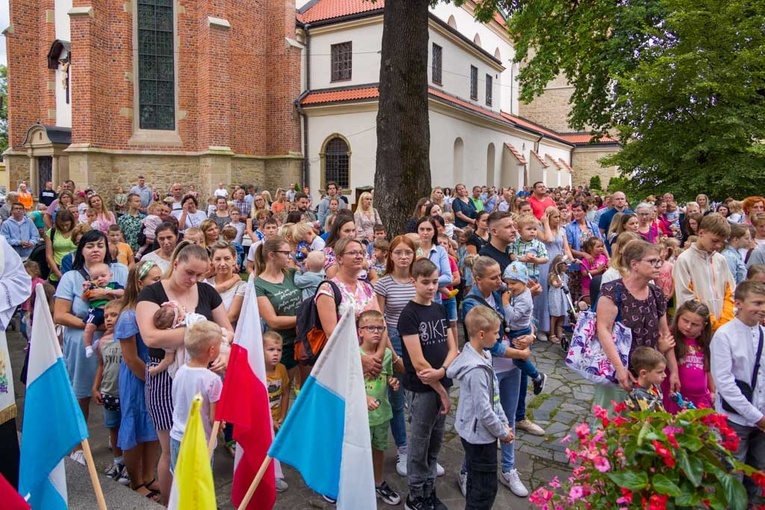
[(321, 10), (587, 139)]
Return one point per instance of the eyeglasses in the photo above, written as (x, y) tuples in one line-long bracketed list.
[(354, 253), (654, 262), (285, 252), (374, 329), (403, 253)]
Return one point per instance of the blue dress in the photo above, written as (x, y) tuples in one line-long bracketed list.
[(136, 425), (82, 370)]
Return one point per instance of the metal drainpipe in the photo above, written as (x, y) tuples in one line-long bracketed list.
[(301, 112)]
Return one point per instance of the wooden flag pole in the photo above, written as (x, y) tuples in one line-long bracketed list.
[(93, 475), (255, 483), (213, 436)]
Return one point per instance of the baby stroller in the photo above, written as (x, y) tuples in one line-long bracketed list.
[(572, 312)]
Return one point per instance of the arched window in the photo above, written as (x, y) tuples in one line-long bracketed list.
[(156, 64), (452, 22), (459, 160), (337, 157), (497, 54), (477, 40)]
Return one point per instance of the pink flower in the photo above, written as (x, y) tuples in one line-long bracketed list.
[(602, 464), (566, 439), (672, 430), (600, 412), (576, 492), (540, 497), (555, 483), (582, 430)]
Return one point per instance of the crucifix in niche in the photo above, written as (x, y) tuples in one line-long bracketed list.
[(65, 63)]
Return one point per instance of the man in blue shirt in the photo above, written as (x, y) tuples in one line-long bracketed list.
[(618, 204), (20, 231)]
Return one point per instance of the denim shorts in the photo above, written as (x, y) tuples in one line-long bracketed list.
[(175, 448), (112, 418), (451, 309)]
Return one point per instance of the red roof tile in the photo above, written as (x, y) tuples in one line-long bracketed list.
[(520, 121), (329, 9), (555, 161), (334, 96), (539, 158), (516, 153), (585, 138)]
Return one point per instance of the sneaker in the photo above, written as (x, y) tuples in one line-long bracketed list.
[(329, 500), (417, 504), (281, 485), (440, 471), (539, 384), (78, 456), (530, 427), (435, 503), (114, 471), (462, 481), (124, 478), (542, 336), (401, 464), (512, 480), (388, 495)]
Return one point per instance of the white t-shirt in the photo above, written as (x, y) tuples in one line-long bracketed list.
[(163, 264), (187, 383), (223, 193), (238, 289), (317, 244)]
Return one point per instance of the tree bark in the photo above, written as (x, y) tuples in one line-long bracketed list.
[(402, 172)]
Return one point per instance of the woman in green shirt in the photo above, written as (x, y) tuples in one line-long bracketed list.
[(278, 296), (59, 242)]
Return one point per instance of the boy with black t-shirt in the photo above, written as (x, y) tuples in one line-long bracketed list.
[(428, 349)]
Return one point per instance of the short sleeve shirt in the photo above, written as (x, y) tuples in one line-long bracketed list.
[(378, 388), (361, 300), (277, 381), (396, 295), (285, 297), (431, 325), (641, 316)]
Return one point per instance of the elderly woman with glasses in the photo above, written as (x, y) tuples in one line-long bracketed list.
[(641, 307)]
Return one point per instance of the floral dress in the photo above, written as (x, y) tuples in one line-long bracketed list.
[(361, 300)]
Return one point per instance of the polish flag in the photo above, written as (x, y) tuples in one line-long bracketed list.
[(244, 403)]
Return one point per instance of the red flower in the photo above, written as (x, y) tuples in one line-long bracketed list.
[(759, 479), (664, 453), (619, 421), (620, 407), (658, 502)]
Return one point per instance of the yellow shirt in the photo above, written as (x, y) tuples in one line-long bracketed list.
[(125, 253), (277, 381)]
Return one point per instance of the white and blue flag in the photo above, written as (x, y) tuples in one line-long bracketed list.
[(53, 422), (326, 433)]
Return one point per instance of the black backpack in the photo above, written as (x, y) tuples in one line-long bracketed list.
[(310, 339), (38, 255)]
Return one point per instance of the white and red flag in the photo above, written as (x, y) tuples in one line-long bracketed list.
[(244, 403)]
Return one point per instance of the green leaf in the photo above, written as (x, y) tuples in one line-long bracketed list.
[(688, 497), (632, 480), (643, 432), (664, 485), (693, 467), (691, 443), (734, 492)]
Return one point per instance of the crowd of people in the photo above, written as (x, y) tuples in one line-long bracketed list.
[(147, 297)]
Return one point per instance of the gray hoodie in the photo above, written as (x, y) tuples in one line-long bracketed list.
[(480, 418)]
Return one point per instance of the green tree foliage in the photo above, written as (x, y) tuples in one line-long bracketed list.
[(682, 82), (595, 182)]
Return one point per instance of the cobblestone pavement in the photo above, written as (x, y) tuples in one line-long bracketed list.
[(565, 402)]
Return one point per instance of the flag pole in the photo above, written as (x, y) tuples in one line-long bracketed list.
[(254, 484), (93, 475), (213, 436)]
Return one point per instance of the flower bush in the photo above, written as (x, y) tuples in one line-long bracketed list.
[(651, 460)]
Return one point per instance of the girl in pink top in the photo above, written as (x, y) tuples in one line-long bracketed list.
[(693, 333), (597, 250)]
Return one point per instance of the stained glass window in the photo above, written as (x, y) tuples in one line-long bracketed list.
[(474, 83), (489, 86), (437, 52), (156, 64), (336, 169)]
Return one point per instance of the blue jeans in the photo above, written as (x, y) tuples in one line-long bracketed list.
[(397, 399), (509, 393), (528, 370)]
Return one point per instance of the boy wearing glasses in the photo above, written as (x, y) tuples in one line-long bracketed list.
[(702, 273), (371, 327)]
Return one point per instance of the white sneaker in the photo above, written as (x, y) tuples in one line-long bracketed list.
[(401, 464), (462, 481), (530, 427), (542, 336), (440, 471), (78, 456), (512, 480)]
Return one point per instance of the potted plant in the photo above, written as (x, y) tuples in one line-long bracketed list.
[(651, 460)]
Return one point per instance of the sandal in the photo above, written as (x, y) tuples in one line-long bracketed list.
[(149, 494), (554, 339), (152, 482)]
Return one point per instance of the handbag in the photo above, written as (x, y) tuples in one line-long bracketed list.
[(747, 389), (585, 353)]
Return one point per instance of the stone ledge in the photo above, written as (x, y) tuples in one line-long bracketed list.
[(212, 21), (85, 10)]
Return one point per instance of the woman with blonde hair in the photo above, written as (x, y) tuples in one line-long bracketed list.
[(616, 268), (267, 196), (104, 217), (366, 217), (210, 232), (280, 205), (437, 197)]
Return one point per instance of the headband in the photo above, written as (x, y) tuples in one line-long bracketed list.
[(145, 268)]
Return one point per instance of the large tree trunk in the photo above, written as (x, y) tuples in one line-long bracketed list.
[(402, 174)]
